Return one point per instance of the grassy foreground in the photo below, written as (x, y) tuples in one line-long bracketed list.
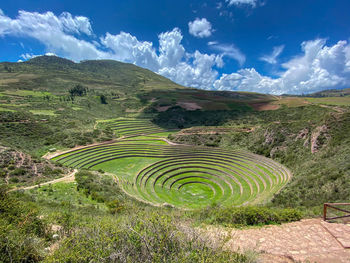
[(92, 220)]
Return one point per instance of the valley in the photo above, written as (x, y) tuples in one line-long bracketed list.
[(103, 149)]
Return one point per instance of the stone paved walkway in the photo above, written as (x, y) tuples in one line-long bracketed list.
[(310, 240)]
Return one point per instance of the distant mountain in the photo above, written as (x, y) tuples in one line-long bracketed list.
[(132, 88), (330, 93), (48, 72)]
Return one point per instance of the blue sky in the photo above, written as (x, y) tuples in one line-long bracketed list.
[(268, 46)]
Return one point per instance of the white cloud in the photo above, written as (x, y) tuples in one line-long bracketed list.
[(128, 48), (319, 67), (230, 51), (198, 73), (247, 80), (56, 33), (170, 48), (242, 2), (272, 58), (200, 28), (211, 43), (50, 54), (170, 60), (78, 24), (27, 56)]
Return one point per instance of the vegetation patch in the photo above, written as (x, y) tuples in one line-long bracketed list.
[(133, 127), (6, 109), (43, 112), (25, 93), (247, 216), (336, 101)]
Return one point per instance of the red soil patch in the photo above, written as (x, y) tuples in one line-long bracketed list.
[(162, 108), (189, 105), (264, 106)]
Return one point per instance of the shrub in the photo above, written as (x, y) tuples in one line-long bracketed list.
[(103, 99), (248, 215), (78, 90), (18, 171), (155, 239), (115, 206), (22, 233)]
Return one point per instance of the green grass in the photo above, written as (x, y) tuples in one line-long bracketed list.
[(43, 112), (186, 177), (337, 101), (133, 127), (13, 105), (77, 108), (6, 109), (62, 193), (25, 93)]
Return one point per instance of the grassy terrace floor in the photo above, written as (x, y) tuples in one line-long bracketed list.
[(188, 177)]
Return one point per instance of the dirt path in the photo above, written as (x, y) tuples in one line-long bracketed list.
[(337, 109), (309, 240), (51, 155), (67, 179), (170, 142)]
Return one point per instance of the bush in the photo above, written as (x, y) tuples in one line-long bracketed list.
[(18, 171), (115, 206), (155, 239), (78, 90), (249, 215), (22, 233), (103, 99)]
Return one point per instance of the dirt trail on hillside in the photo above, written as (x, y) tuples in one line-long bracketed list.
[(51, 155), (170, 142), (67, 179), (335, 108), (309, 240)]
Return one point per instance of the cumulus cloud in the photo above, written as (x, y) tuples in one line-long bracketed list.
[(170, 48), (128, 48), (229, 50), (319, 67), (197, 73), (242, 2), (272, 58), (27, 56), (56, 33), (200, 28)]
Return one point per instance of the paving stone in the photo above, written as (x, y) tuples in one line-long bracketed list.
[(310, 239)]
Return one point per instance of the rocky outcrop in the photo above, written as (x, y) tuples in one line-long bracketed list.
[(319, 138), (303, 134), (269, 137), (22, 168)]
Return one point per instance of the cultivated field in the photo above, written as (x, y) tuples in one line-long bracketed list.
[(336, 101), (127, 127), (153, 171)]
